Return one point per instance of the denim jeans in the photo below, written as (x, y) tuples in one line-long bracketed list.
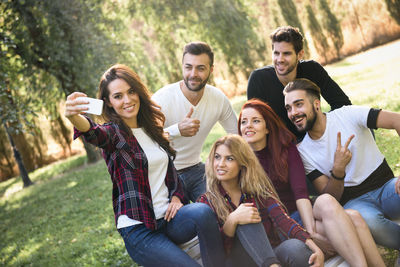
[(251, 247), (293, 253), (380, 208), (194, 181), (158, 248)]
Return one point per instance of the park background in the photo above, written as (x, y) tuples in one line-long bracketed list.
[(49, 49)]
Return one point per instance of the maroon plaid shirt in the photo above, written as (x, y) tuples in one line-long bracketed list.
[(273, 216), (128, 167)]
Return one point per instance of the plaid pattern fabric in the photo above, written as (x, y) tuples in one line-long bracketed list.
[(273, 216), (128, 167)]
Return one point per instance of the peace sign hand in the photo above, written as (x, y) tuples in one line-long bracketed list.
[(342, 156)]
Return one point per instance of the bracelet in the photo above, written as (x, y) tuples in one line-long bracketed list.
[(337, 178)]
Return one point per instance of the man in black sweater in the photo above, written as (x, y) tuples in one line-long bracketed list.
[(267, 83)]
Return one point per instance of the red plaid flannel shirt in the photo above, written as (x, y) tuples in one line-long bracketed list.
[(273, 216), (128, 167)]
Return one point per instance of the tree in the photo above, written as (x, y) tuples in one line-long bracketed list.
[(224, 24), (393, 7), (332, 25), (22, 170), (317, 33), (289, 12), (9, 110), (63, 39)]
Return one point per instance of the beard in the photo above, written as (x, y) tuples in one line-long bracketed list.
[(289, 69), (309, 123), (198, 87)]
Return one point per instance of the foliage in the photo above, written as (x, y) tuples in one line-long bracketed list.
[(315, 28), (60, 47), (224, 24), (393, 6), (289, 12), (63, 38), (332, 25)]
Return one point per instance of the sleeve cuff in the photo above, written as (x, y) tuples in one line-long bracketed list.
[(314, 175), (173, 130), (372, 118), (78, 133)]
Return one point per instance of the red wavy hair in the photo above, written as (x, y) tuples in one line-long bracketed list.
[(279, 137)]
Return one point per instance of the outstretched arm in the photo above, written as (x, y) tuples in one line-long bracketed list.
[(388, 120), (73, 111)]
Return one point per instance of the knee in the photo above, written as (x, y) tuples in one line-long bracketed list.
[(201, 212), (356, 218), (293, 252), (327, 205)]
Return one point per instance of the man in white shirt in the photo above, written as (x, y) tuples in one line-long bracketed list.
[(191, 108), (355, 173)]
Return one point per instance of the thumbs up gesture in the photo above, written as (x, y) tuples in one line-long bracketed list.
[(189, 126)]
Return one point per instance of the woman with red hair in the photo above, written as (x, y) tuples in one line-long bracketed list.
[(333, 228)]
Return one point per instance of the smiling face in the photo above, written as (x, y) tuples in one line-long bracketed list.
[(196, 71), (226, 168), (300, 110), (125, 101), (284, 58), (253, 128)]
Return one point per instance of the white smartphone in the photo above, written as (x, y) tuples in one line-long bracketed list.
[(95, 105)]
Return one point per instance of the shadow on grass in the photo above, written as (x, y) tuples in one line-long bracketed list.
[(6, 185)]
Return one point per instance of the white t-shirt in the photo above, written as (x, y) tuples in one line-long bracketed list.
[(366, 157), (213, 107), (157, 160)]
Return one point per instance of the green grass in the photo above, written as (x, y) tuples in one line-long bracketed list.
[(66, 217), (63, 220)]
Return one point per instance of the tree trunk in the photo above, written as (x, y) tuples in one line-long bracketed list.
[(22, 171), (93, 153)]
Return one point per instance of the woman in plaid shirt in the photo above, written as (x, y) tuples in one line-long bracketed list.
[(249, 211), (147, 194)]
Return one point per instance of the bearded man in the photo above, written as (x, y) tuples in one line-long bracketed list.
[(191, 108), (267, 83)]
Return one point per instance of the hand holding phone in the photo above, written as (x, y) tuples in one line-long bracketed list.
[(95, 105)]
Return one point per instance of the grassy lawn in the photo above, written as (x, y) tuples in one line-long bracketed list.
[(66, 218)]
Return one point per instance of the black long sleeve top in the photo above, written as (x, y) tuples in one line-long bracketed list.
[(265, 85)]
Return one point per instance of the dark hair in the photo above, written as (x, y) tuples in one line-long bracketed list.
[(312, 90), (288, 34), (279, 137), (198, 48), (149, 117)]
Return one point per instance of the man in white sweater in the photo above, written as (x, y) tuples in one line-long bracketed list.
[(191, 108)]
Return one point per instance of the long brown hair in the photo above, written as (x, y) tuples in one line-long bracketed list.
[(278, 140), (252, 178), (149, 117)]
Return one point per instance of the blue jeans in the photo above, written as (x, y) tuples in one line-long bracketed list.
[(158, 248), (194, 181), (380, 208), (293, 253), (251, 247)]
